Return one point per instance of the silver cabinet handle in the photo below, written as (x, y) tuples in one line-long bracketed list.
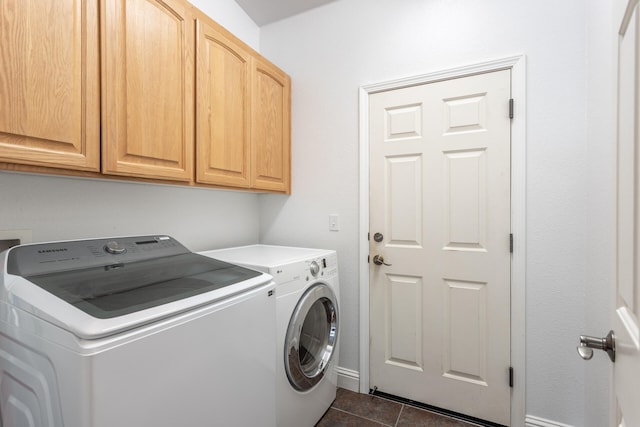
[(587, 344), (378, 260)]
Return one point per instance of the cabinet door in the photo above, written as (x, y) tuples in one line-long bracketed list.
[(49, 88), (271, 131), (147, 89), (223, 109)]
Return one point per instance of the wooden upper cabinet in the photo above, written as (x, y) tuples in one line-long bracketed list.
[(223, 113), (147, 89), (271, 128), (49, 87), (139, 88), (242, 114)]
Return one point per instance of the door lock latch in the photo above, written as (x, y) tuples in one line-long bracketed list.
[(378, 260)]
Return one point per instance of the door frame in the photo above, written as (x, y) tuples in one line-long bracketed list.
[(517, 65)]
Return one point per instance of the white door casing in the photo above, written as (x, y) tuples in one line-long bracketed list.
[(626, 324), (440, 190)]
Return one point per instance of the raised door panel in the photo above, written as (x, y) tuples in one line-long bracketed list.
[(271, 129), (147, 89), (49, 88), (223, 109)]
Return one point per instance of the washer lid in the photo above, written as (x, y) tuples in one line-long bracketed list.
[(147, 278)]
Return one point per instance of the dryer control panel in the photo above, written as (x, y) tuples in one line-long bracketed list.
[(326, 266)]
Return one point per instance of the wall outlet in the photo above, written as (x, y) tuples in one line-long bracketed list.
[(24, 236), (334, 222), (8, 243)]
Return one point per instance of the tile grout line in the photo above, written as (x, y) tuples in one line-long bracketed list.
[(399, 415), (364, 418), (403, 408), (443, 415)]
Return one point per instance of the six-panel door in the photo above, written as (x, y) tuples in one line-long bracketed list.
[(440, 197), (626, 314)]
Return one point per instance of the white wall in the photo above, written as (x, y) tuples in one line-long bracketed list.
[(60, 208), (331, 51), (231, 16)]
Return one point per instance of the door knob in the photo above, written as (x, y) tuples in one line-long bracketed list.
[(378, 260), (587, 344)]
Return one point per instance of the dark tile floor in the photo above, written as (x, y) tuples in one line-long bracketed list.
[(352, 409)]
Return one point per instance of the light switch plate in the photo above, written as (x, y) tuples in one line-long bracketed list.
[(334, 222)]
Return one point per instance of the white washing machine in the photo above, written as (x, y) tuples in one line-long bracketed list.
[(307, 319), (133, 332)]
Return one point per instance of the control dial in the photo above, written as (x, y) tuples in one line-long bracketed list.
[(315, 268), (115, 248)]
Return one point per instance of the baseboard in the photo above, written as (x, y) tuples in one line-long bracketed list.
[(348, 379), (531, 421)]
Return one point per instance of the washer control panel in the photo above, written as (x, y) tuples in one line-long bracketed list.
[(115, 248), (40, 258)]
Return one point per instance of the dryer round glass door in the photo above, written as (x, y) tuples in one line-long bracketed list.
[(311, 337)]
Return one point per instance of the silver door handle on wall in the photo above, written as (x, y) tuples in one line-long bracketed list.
[(378, 260), (587, 344)]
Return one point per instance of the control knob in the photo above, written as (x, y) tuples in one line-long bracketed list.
[(315, 268), (114, 248)]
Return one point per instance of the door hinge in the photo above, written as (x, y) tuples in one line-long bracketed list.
[(368, 259), (511, 243), (368, 236), (511, 376), (511, 108)]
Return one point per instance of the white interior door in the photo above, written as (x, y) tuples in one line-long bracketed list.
[(440, 220), (627, 311)]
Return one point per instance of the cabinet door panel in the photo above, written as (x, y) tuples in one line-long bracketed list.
[(223, 109), (148, 89), (49, 89), (271, 132)]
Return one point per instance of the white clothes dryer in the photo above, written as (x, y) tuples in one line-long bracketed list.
[(133, 332), (307, 326)]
